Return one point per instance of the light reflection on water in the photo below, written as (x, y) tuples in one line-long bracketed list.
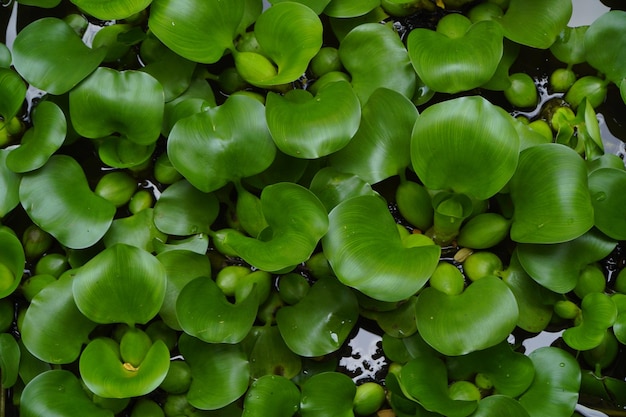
[(366, 361)]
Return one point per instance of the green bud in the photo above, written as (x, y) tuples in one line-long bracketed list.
[(116, 187), (158, 330), (230, 81), (482, 264), (248, 43), (543, 128), (566, 309), (454, 25), (254, 66), (229, 278), (35, 241), (325, 61), (368, 399), (484, 231), (522, 92), (591, 279), (178, 378), (464, 391), (52, 264), (318, 265), (7, 278), (620, 281), (141, 200), (292, 288), (7, 314), (448, 279), (134, 346), (145, 407), (485, 11), (328, 78), (483, 381), (590, 87), (5, 56), (164, 171), (32, 285), (562, 79), (176, 405), (415, 204)]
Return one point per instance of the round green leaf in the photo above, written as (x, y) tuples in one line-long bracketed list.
[(9, 185), (375, 57), (480, 317), (270, 355), (51, 56), (554, 391), (112, 9), (128, 102), (136, 230), (297, 221), (198, 30), (605, 45), (333, 117), (535, 23), (58, 392), (466, 145), (425, 379), (54, 330), (366, 252), (122, 284), (381, 147), (106, 375), (71, 212), (271, 395), (289, 35), (172, 71), (550, 194), (321, 321), (204, 312), (220, 372), (608, 200), (599, 312), (222, 144), (119, 152), (12, 93), (332, 187), (328, 394), (12, 262), (184, 210), (558, 266), (40, 141), (500, 405), (9, 359), (451, 65), (569, 46)]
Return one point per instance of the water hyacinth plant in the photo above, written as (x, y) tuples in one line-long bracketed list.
[(204, 203)]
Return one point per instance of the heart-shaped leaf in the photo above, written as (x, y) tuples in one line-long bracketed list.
[(112, 9), (605, 185), (550, 194), (184, 210), (9, 185), (375, 57), (333, 117), (198, 30), (451, 64), (40, 141), (605, 45), (466, 145), (126, 102), (442, 319), (271, 395), (381, 146), (71, 212), (220, 372), (222, 144), (60, 392), (599, 312), (51, 56), (558, 266), (321, 321), (328, 394), (297, 221), (107, 375), (12, 93), (54, 330), (122, 284), (366, 252), (535, 23)]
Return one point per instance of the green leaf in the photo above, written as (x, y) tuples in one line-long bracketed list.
[(271, 395), (550, 194), (569, 46), (172, 71), (270, 355), (41, 141), (332, 187), (480, 317), (12, 93), (58, 392), (605, 185), (126, 102), (9, 359), (328, 394), (375, 57), (51, 56), (535, 23), (297, 221), (381, 147), (554, 391), (220, 372), (558, 266), (605, 45), (466, 145), (321, 321), (366, 252), (599, 312), (12, 262), (289, 35), (71, 212), (136, 230), (106, 375), (54, 330), (112, 9), (453, 64), (500, 405), (9, 185), (113, 286), (232, 139), (184, 210), (332, 118), (347, 8), (198, 30), (316, 5)]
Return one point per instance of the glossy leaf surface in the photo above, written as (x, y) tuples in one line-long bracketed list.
[(270, 355), (545, 20), (51, 56), (271, 395), (113, 286), (466, 145), (347, 8), (71, 212), (12, 93), (605, 45), (136, 230), (222, 144), (599, 312), (569, 46), (328, 394), (366, 252), (321, 321), (112, 10), (12, 260), (500, 405), (9, 185), (608, 201), (9, 359), (332, 187)]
